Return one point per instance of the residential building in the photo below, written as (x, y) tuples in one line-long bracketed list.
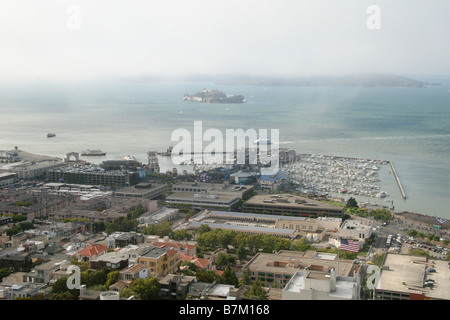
[(43, 273), (133, 272), (124, 239), (174, 286), (92, 251), (33, 205), (110, 261), (16, 262), (13, 290), (160, 261)]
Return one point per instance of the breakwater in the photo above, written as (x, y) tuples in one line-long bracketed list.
[(402, 191)]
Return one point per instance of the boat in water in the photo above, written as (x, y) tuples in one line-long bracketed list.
[(262, 142), (93, 153), (129, 158), (51, 135)]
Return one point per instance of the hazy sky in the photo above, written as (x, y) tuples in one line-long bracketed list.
[(62, 39)]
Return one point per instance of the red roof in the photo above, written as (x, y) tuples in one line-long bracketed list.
[(93, 250), (199, 262), (173, 244)]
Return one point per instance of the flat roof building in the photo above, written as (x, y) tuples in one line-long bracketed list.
[(199, 200), (403, 278), (276, 269), (142, 191), (290, 204), (315, 285)]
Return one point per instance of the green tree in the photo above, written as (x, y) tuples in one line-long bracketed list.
[(111, 278), (300, 245), (412, 233), (351, 203), (207, 276), (241, 253), (4, 272), (204, 228), (145, 289), (246, 277), (221, 259), (60, 289), (229, 276), (256, 291)]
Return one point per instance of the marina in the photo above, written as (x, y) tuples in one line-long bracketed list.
[(336, 175), (325, 175)]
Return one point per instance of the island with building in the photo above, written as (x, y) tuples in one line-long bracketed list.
[(213, 96)]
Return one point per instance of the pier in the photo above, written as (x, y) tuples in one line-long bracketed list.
[(398, 180)]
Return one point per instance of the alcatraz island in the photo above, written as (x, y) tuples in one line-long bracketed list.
[(213, 96)]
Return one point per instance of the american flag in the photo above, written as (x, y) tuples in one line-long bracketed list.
[(349, 245)]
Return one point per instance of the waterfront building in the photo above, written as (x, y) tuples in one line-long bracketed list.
[(280, 204), (92, 175), (7, 179), (240, 191), (272, 182)]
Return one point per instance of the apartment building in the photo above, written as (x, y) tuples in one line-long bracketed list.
[(160, 261)]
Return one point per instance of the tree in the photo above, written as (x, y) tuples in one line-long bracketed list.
[(112, 278), (300, 245), (229, 276), (204, 228), (412, 233), (241, 253), (256, 291), (145, 289), (61, 291), (97, 278), (246, 277), (4, 272), (351, 203), (221, 259), (207, 276)]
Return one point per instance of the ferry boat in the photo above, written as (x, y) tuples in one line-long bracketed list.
[(93, 153), (262, 141), (129, 158)]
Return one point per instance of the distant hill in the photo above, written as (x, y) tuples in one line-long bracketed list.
[(369, 80)]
